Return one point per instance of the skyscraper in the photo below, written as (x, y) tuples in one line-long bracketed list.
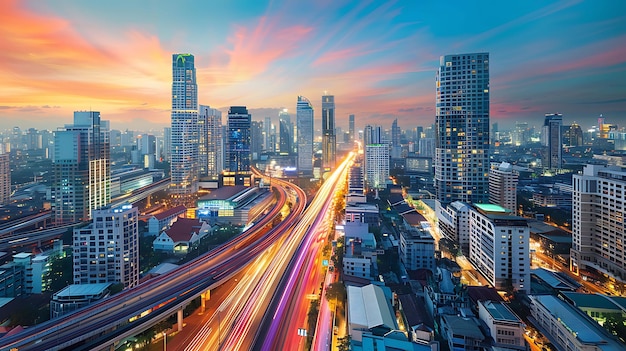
[(396, 146), (256, 139), (238, 157), (552, 142), (285, 133), (573, 136), (351, 127), (210, 142), (462, 129), (108, 249), (598, 231), (376, 158), (82, 173), (329, 140), (184, 140), (5, 179), (304, 122)]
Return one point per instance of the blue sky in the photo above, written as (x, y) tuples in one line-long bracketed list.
[(378, 58)]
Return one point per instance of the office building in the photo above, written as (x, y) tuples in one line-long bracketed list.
[(167, 144), (184, 139), (499, 247), (256, 139), (598, 230), (505, 327), (285, 133), (462, 129), (573, 135), (376, 158), (268, 137), (329, 139), (351, 128), (551, 140), (305, 126), (82, 173), (210, 142), (107, 250), (396, 146), (5, 179), (521, 135), (426, 147), (503, 186), (238, 156)]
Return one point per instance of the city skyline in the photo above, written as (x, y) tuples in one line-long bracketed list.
[(378, 58)]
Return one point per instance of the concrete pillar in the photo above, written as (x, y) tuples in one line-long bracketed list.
[(203, 297), (180, 319)]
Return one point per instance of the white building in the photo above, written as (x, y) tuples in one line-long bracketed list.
[(499, 247), (569, 328), (74, 297), (505, 327), (107, 250), (598, 230), (305, 133), (454, 223), (369, 311), (181, 236), (417, 248), (376, 166), (503, 186)]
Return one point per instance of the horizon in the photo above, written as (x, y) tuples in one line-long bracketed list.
[(378, 59)]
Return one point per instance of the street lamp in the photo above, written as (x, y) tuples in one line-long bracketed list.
[(164, 340)]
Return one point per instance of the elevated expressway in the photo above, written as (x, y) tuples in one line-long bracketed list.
[(101, 325)]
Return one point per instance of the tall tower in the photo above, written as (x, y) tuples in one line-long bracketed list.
[(256, 139), (5, 179), (238, 157), (114, 236), (285, 132), (396, 146), (304, 122), (462, 129), (351, 127), (184, 147), (551, 140), (82, 173), (329, 139), (376, 158), (210, 141)]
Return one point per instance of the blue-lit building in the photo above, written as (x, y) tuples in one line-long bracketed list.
[(184, 134), (238, 156)]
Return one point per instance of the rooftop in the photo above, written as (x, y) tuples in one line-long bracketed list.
[(499, 311), (170, 212), (368, 306), (598, 301), (224, 193), (82, 290), (492, 208), (467, 327)]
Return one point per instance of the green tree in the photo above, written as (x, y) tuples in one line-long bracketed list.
[(60, 273), (616, 324), (336, 292), (344, 343)]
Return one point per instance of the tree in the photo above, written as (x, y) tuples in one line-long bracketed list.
[(344, 343), (336, 292), (616, 324)]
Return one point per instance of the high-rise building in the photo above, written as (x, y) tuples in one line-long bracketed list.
[(376, 158), (256, 139), (552, 141), (82, 173), (521, 136), (285, 133), (184, 140), (503, 186), (499, 247), (351, 127), (598, 230), (573, 135), (305, 129), (5, 179), (107, 250), (462, 129), (396, 146), (329, 139), (267, 135), (166, 152), (210, 142), (238, 157)]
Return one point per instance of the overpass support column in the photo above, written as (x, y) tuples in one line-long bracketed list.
[(203, 297), (180, 319)]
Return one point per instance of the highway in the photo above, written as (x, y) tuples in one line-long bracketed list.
[(278, 308), (161, 296)]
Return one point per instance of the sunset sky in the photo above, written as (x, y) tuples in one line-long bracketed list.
[(377, 57)]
